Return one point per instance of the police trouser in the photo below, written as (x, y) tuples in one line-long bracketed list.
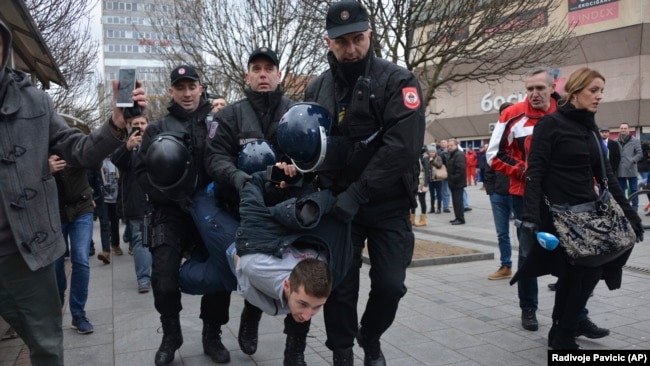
[(177, 233), (386, 226)]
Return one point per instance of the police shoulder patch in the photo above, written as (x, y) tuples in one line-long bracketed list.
[(213, 129), (411, 97)]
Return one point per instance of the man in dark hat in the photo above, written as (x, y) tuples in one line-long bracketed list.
[(254, 118), (29, 242), (381, 115), (173, 231)]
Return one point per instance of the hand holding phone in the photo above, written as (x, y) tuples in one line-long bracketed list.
[(276, 175)]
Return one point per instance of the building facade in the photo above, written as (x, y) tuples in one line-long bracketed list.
[(131, 38), (613, 38)]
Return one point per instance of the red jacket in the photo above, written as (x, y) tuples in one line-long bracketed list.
[(471, 158), (508, 147)]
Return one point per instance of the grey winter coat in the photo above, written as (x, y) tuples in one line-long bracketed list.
[(631, 154), (30, 130)]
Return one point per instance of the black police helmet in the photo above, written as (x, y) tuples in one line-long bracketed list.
[(302, 135), (170, 166), (255, 156)]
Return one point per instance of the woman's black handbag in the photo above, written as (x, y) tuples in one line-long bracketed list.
[(596, 232)]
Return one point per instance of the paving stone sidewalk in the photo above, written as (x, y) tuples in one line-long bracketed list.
[(451, 315)]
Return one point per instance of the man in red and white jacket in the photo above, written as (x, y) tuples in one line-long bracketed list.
[(507, 153)]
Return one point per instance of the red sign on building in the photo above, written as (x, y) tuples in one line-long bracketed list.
[(582, 12)]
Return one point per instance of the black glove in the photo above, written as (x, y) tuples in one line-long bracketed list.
[(348, 202), (638, 230), (530, 227), (239, 179)]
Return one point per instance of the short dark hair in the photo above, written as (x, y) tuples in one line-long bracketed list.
[(314, 275), (503, 107)]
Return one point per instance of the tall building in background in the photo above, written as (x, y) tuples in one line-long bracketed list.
[(131, 39)]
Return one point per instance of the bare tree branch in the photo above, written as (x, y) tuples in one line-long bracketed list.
[(447, 41), (65, 27), (229, 30)]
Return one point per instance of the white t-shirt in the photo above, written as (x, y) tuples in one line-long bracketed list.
[(260, 277)]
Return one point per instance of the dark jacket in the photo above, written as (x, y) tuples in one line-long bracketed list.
[(303, 221), (131, 198), (253, 118), (32, 130), (563, 162), (644, 164), (382, 126), (74, 192), (177, 120), (495, 182), (614, 154), (456, 173), (95, 181)]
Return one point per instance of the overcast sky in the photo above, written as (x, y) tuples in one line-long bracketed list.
[(96, 31)]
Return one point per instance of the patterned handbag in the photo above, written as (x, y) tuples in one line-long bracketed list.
[(596, 232)]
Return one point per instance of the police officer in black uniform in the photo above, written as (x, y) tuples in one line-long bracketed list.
[(169, 169), (381, 116), (237, 125)]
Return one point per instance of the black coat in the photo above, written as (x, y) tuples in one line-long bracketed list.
[(614, 153), (495, 182), (456, 173), (131, 198)]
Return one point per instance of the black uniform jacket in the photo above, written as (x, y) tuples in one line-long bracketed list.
[(177, 120), (383, 126)]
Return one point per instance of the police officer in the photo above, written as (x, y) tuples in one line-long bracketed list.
[(381, 115), (235, 127), (169, 169)]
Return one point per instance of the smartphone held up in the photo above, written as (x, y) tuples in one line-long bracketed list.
[(125, 87)]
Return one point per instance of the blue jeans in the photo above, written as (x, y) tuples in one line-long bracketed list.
[(634, 186), (465, 200), (141, 255), (435, 192), (80, 231), (446, 195), (526, 287), (501, 209), (217, 229)]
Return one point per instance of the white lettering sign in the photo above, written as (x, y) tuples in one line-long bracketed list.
[(488, 104)]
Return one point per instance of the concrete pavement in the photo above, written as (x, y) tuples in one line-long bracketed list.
[(451, 315)]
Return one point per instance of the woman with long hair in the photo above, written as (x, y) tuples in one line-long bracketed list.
[(564, 166)]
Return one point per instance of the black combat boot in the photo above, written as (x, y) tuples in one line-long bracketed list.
[(171, 341), (372, 349), (343, 357), (250, 321), (212, 345), (294, 350), (561, 338)]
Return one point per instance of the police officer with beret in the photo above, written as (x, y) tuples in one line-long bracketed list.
[(170, 169), (381, 117)]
